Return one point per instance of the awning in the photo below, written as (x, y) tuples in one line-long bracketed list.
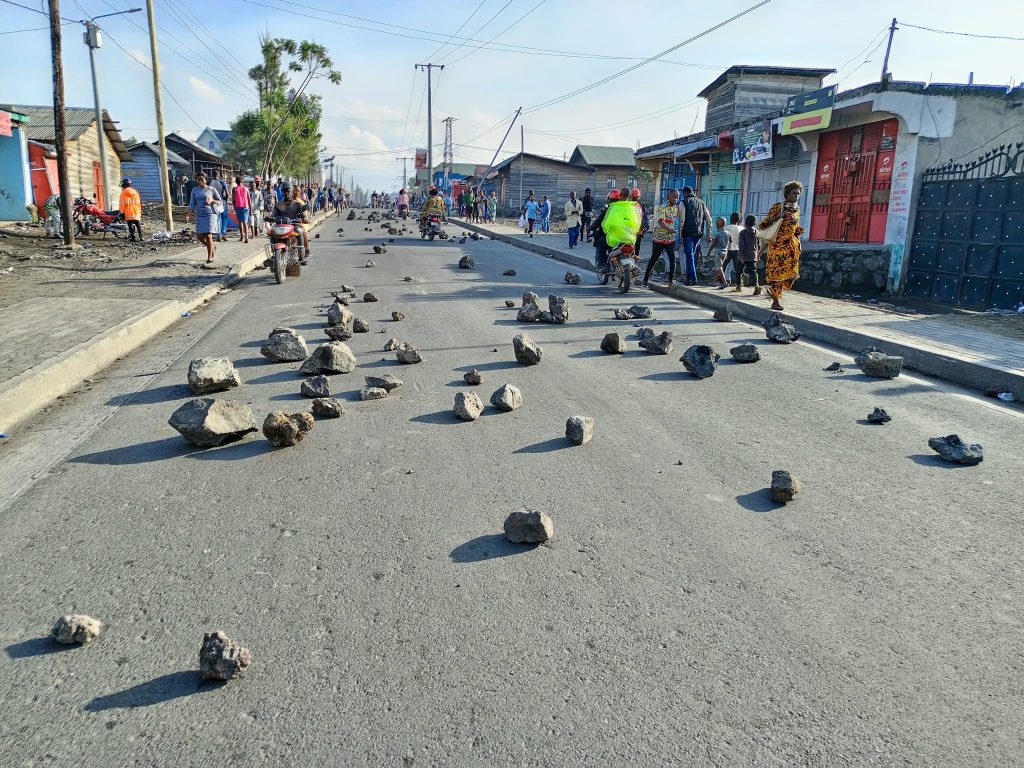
[(693, 146)]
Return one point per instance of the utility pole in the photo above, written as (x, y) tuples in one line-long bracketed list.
[(94, 40), (449, 151), (502, 144), (59, 134), (405, 170), (888, 49), (522, 151), (430, 119), (165, 181)]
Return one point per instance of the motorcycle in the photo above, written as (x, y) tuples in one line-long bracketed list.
[(90, 218), (403, 211), (286, 247), (622, 263), (431, 227)]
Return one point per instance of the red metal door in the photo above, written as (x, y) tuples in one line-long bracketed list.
[(99, 193), (851, 199)]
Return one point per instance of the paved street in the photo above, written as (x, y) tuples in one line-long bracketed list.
[(678, 617)]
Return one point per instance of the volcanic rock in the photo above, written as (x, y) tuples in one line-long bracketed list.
[(880, 365), (507, 397), (208, 423), (527, 352), (580, 429), (529, 297), (745, 353), (317, 386), (221, 658), (879, 416), (573, 278), (392, 345), (784, 486), (338, 333), (397, 317), (330, 358), (956, 451), (834, 367), (466, 262), (360, 326), (723, 315), (373, 393), (613, 344), (862, 357), (509, 273), (212, 374), (658, 345), (645, 333), (408, 355), (509, 303), (473, 377), (530, 313), (529, 527), (780, 330), (369, 297), (700, 360), (635, 312), (283, 429), (559, 308), (370, 264), (285, 348), (468, 406), (327, 407), (76, 628), (387, 382)]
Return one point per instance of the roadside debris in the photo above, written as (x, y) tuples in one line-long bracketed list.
[(284, 429), (316, 387), (207, 423), (212, 374), (580, 429), (330, 358), (635, 312), (468, 406), (879, 416), (76, 629), (780, 330), (956, 451), (657, 345), (785, 486), (221, 658), (723, 315), (745, 353), (613, 344), (507, 397), (473, 377), (700, 360), (529, 527), (327, 407), (526, 351)]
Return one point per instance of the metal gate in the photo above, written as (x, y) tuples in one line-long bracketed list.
[(968, 243)]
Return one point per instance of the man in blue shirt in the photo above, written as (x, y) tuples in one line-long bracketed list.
[(531, 209), (545, 215)]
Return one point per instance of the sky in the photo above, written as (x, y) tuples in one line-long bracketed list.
[(498, 55)]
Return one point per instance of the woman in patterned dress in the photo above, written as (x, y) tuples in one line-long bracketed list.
[(782, 264)]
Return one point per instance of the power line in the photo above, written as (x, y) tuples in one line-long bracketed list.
[(986, 142), (180, 19), (213, 38), (963, 34), (627, 70), (860, 53), (867, 59), (453, 34), (481, 27), (506, 29)]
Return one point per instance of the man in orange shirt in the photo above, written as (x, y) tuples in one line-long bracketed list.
[(130, 204)]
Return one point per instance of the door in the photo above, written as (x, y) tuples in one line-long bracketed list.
[(99, 192)]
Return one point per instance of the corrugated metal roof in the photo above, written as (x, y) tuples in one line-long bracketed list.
[(592, 154), (749, 69), (76, 122), (172, 157)]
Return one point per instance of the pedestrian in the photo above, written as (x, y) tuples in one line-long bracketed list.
[(531, 209), (181, 182), (492, 207), (222, 222), (573, 218), (634, 196), (721, 243), (208, 205), (697, 223), (52, 224), (748, 255), (667, 218), (130, 205), (782, 262), (545, 215), (588, 213), (242, 202), (733, 258), (256, 207)]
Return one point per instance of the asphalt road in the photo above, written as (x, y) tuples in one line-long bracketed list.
[(678, 617)]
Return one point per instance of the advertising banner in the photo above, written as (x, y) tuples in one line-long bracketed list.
[(809, 111), (752, 143), (421, 158), (5, 123)]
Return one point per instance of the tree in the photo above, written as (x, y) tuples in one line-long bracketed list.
[(283, 133)]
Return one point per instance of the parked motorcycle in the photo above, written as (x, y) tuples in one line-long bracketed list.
[(90, 218), (431, 228), (622, 264), (286, 247)]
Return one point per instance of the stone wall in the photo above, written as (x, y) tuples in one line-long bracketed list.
[(835, 269)]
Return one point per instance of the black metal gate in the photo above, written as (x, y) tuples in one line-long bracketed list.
[(968, 244)]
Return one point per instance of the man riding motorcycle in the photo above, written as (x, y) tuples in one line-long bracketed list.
[(620, 223), (434, 204), (290, 207)]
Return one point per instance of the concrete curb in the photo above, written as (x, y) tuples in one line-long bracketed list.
[(28, 393), (968, 373)]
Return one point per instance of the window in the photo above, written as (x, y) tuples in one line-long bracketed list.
[(611, 182), (209, 144)]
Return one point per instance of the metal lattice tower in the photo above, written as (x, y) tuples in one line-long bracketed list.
[(449, 154)]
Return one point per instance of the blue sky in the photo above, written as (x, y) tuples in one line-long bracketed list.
[(378, 114)]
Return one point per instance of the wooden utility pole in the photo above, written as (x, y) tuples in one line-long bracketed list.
[(165, 182), (59, 140), (888, 50), (430, 119)]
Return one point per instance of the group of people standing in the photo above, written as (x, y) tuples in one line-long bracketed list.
[(475, 205), (535, 213)]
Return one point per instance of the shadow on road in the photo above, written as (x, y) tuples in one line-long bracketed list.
[(759, 501), (547, 446), (438, 417), (141, 453), (235, 451), (162, 394), (488, 547), (37, 646), (934, 461), (497, 365), (156, 691), (252, 362)]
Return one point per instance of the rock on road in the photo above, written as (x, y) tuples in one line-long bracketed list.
[(677, 617)]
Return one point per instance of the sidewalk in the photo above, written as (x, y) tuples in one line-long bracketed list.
[(969, 357), (74, 325)]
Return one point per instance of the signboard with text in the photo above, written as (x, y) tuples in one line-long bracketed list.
[(809, 111), (5, 123), (421, 158), (754, 142)]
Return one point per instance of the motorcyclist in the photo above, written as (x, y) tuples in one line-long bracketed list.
[(600, 245), (620, 222), (291, 207), (434, 204), (402, 203), (634, 196)]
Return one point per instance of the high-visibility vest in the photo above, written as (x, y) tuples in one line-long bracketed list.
[(130, 204)]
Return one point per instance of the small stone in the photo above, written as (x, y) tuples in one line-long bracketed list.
[(527, 352), (76, 628), (466, 262), (559, 308), (509, 303), (580, 429), (880, 365), (573, 278), (317, 386), (208, 423), (397, 317), (284, 429), (408, 355), (330, 358), (409, 279), (645, 333), (339, 315), (641, 311), (379, 249), (613, 344), (745, 353), (723, 315), (392, 345), (369, 297), (858, 359), (834, 367), (221, 658), (529, 527), (700, 360), (212, 374), (338, 332), (360, 326), (285, 348), (658, 345), (784, 486), (529, 297), (347, 288), (530, 313), (369, 262), (468, 406), (327, 407), (473, 377), (373, 393), (507, 397), (509, 273), (956, 451), (283, 330), (879, 416), (780, 330), (387, 382)]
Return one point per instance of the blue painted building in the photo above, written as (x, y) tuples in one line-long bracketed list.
[(144, 170), (15, 181)]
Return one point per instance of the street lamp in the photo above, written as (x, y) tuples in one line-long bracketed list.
[(94, 40)]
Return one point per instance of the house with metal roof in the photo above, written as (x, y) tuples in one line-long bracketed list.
[(213, 140), (613, 166), (144, 171), (199, 158), (15, 183), (82, 137)]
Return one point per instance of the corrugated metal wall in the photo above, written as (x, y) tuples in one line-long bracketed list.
[(144, 171)]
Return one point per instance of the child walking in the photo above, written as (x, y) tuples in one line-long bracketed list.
[(748, 256), (721, 243)]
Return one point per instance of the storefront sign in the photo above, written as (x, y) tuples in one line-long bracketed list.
[(421, 158), (809, 111), (752, 143), (5, 123)]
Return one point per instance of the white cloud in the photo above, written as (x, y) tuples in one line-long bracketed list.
[(357, 138), (204, 89), (140, 56)]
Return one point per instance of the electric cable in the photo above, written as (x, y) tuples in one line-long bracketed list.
[(961, 34), (480, 28), (506, 29), (453, 34)]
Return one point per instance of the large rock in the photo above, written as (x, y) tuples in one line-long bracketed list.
[(76, 628), (283, 429), (338, 315), (373, 393), (507, 397), (645, 333), (369, 297), (529, 297), (700, 360), (408, 355), (221, 658), (330, 358), (530, 313), (392, 345), (613, 344), (285, 348), (785, 486), (635, 312), (317, 386), (658, 345), (527, 352), (723, 315), (337, 333), (212, 374), (529, 527), (956, 451), (360, 326), (879, 416), (468, 406), (580, 429), (559, 308), (327, 407), (466, 262), (473, 377), (386, 382), (208, 423), (881, 365), (780, 330), (745, 353), (859, 359)]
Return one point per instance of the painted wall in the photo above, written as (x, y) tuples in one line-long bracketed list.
[(15, 189)]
